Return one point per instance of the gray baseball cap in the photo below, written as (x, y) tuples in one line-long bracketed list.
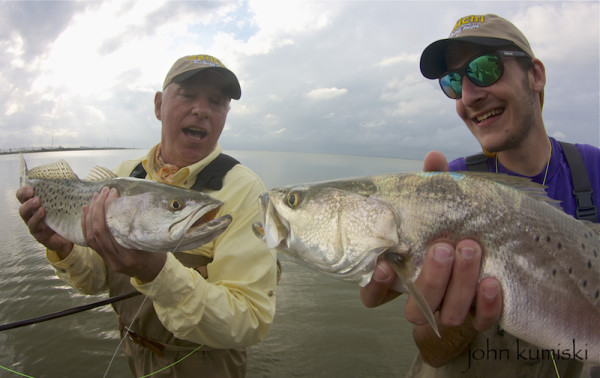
[(487, 30), (188, 66)]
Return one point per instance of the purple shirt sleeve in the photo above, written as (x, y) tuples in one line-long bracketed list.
[(558, 181)]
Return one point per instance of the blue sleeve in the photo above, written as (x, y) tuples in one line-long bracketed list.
[(458, 165)]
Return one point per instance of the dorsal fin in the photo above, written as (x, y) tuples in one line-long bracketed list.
[(58, 170), (99, 174), (595, 227), (522, 184)]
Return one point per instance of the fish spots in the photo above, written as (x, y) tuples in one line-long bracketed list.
[(548, 239)]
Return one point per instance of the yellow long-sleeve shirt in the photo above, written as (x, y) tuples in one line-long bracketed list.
[(235, 305)]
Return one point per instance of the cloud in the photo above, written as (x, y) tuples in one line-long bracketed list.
[(319, 76), (402, 58), (326, 93)]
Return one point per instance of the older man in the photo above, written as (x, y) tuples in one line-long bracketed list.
[(212, 301)]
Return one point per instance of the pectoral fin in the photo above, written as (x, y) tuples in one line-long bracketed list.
[(402, 269)]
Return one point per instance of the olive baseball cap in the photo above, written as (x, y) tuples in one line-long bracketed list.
[(188, 66), (487, 30)]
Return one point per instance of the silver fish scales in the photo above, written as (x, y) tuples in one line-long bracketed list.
[(147, 215), (546, 261)]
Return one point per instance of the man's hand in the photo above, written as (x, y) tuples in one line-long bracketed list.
[(448, 281), (379, 291), (142, 265), (33, 214)]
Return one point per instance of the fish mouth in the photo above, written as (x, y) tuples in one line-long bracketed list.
[(274, 230), (258, 230), (202, 226), (206, 218)]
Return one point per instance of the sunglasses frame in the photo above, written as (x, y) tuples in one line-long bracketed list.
[(462, 71)]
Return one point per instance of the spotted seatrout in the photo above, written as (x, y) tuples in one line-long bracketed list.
[(147, 215), (546, 261)]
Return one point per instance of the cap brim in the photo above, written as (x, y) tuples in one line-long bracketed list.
[(433, 59), (232, 86)]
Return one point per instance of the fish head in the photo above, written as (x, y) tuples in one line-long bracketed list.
[(151, 216), (332, 230)]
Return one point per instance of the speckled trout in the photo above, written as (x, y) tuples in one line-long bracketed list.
[(147, 215), (546, 261)]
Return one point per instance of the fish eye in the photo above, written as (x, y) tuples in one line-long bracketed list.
[(294, 199), (176, 204)]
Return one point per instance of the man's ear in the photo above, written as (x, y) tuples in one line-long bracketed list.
[(158, 105), (538, 75)]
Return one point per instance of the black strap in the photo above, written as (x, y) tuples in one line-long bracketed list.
[(477, 162), (211, 177), (138, 172), (582, 189)]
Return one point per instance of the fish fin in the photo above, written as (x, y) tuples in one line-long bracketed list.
[(592, 226), (23, 177), (52, 171), (522, 184), (100, 174), (403, 271)]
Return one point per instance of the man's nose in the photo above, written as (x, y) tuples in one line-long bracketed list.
[(201, 107), (471, 93)]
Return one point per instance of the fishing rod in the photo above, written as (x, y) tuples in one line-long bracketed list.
[(70, 311)]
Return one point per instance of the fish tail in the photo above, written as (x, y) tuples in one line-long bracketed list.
[(402, 270), (23, 177)]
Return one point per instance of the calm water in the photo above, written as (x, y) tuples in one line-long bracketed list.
[(321, 328)]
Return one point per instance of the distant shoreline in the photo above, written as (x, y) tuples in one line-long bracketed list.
[(54, 149)]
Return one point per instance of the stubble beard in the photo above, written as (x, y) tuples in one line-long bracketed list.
[(525, 121)]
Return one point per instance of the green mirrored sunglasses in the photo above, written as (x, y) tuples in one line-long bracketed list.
[(483, 70)]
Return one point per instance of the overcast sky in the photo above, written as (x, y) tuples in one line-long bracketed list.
[(316, 76)]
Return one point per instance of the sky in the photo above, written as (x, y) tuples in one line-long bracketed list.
[(337, 77)]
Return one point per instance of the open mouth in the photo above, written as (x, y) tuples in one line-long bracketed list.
[(258, 230), (195, 133), (488, 115), (205, 218)]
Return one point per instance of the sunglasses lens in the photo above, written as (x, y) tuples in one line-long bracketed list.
[(485, 70), (452, 85)]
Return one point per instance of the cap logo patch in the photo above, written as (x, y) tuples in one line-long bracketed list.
[(206, 59), (466, 23)]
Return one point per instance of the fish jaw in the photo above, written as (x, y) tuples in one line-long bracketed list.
[(200, 227), (150, 222), (273, 231), (312, 233)]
